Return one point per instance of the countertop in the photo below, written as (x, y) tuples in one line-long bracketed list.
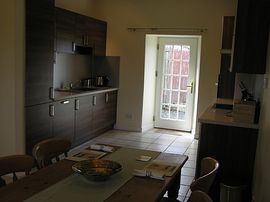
[(60, 95), (223, 117)]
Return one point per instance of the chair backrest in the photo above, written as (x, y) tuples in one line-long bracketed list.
[(47, 150), (209, 168), (199, 196), (15, 163)]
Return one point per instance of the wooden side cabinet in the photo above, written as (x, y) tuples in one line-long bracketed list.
[(235, 149)]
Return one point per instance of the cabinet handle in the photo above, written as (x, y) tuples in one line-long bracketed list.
[(73, 47), (77, 104), (51, 93), (87, 40), (64, 102), (51, 110), (107, 97), (94, 100)]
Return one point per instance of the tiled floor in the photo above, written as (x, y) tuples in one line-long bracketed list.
[(156, 140)]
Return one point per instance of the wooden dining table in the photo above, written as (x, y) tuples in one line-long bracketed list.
[(139, 189)]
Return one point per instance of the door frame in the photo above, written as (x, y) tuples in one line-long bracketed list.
[(186, 124), (149, 78)]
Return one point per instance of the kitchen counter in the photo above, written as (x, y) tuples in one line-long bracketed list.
[(60, 95), (223, 117)]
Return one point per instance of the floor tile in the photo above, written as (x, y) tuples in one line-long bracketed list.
[(176, 150), (190, 164), (186, 180), (157, 147), (183, 190), (188, 171)]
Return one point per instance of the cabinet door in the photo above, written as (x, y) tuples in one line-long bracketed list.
[(81, 30), (98, 113), (251, 36), (63, 121), (38, 121), (96, 35), (83, 119), (65, 30), (110, 109), (39, 51)]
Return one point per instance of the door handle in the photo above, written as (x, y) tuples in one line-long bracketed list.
[(191, 87)]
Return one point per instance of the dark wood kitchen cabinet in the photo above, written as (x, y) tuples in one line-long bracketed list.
[(251, 36), (79, 29), (234, 148), (83, 119), (104, 112), (39, 124), (63, 119), (110, 109), (65, 32), (39, 51)]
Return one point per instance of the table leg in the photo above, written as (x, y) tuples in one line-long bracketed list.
[(174, 188)]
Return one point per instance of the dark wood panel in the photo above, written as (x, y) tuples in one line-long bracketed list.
[(65, 30), (235, 149), (39, 51), (83, 120), (38, 125), (227, 33), (83, 30), (251, 36), (63, 120)]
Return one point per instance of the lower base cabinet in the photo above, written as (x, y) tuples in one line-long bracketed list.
[(77, 119), (83, 119), (63, 119), (234, 148), (39, 125)]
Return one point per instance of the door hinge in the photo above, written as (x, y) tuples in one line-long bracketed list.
[(157, 46), (154, 118), (156, 73)]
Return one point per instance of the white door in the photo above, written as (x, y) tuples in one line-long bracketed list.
[(177, 60)]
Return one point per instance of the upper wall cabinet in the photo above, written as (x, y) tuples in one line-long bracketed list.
[(39, 51), (251, 36), (72, 28), (65, 23)]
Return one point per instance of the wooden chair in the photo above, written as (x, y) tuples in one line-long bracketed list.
[(209, 168), (199, 196), (47, 150), (15, 163)]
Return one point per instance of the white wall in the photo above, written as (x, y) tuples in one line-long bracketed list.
[(262, 164), (130, 46), (11, 79), (149, 82)]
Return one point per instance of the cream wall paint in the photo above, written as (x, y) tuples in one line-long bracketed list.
[(262, 164), (11, 71), (130, 46)]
